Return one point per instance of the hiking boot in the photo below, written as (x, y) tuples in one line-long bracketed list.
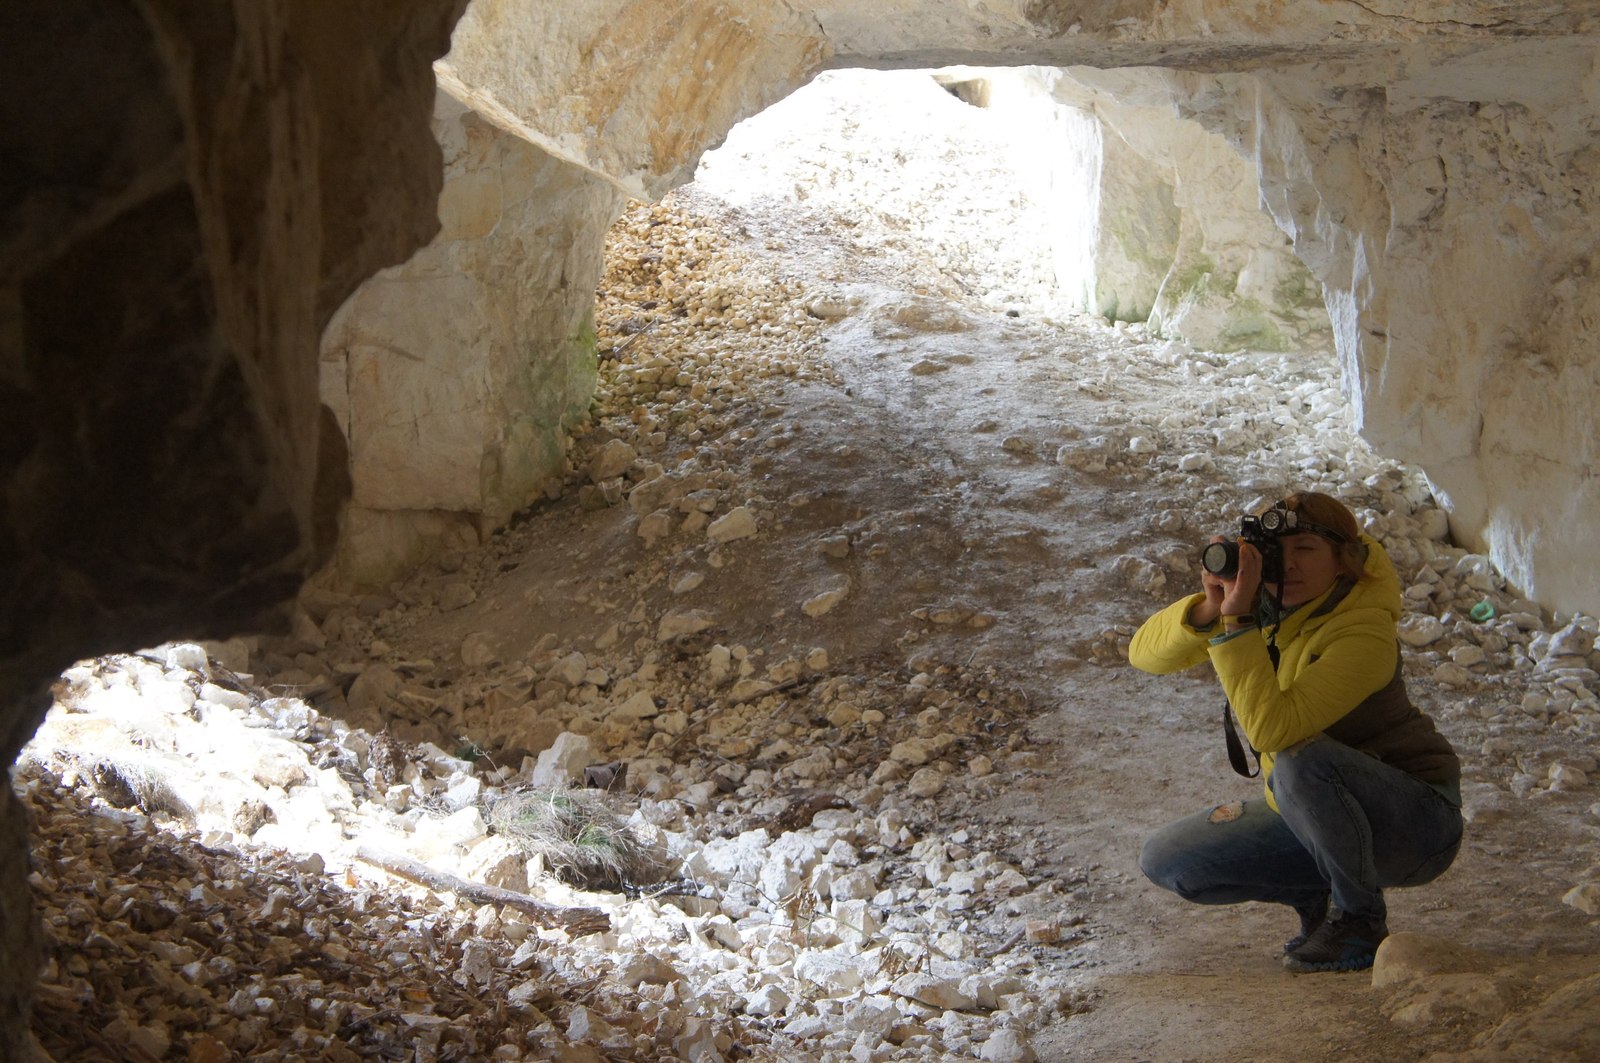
[(1311, 916), (1342, 943)]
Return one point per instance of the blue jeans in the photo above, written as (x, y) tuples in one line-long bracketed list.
[(1350, 825)]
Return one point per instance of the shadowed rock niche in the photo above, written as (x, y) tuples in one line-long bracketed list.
[(190, 191)]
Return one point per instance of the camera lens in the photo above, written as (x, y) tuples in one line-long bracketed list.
[(1221, 559)]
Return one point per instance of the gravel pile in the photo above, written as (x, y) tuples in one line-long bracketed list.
[(229, 904)]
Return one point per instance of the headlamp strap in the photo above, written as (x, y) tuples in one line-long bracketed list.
[(1294, 523)]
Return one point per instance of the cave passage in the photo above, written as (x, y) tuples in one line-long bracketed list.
[(817, 645)]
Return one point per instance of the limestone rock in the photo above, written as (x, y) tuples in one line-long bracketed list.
[(1434, 523), (768, 1000), (677, 625), (1408, 956), (1565, 777), (1085, 458), (935, 992), (1585, 897), (748, 690), (756, 59), (1559, 1028), (834, 546), (1572, 641), (1421, 630), (837, 970), (823, 603), (655, 525), (425, 367), (612, 460), (570, 669), (640, 706), (645, 969), (739, 523), (719, 660), (562, 764), (1006, 1045), (477, 650), (457, 594), (374, 689), (912, 751)]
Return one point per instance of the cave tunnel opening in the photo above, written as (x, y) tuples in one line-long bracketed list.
[(897, 408)]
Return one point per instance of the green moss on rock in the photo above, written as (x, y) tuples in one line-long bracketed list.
[(1250, 326)]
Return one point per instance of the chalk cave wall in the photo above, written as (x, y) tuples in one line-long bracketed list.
[(1451, 213), (1160, 218), (456, 375)]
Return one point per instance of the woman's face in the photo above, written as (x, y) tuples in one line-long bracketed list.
[(1309, 568)]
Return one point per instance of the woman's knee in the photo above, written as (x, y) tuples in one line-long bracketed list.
[(1155, 860), (1170, 854), (1159, 857), (1302, 766)]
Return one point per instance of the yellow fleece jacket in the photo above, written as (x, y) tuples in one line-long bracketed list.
[(1327, 666)]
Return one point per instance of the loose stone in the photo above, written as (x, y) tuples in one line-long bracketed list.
[(737, 523)]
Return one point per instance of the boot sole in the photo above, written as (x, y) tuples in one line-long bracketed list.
[(1300, 966)]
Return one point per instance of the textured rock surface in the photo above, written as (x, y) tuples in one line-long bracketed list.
[(191, 192), (1179, 237), (1448, 215), (632, 89), (455, 375)]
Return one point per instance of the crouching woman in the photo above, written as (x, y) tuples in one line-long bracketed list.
[(1362, 792)]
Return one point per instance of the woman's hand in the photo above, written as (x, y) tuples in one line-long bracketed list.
[(1228, 597), (1239, 597)]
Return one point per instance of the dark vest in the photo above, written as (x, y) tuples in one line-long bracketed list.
[(1389, 727), (1386, 725)]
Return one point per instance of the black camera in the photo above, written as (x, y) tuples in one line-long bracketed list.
[(1265, 534)]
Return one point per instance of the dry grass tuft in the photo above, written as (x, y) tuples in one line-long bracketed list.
[(128, 783), (579, 836)]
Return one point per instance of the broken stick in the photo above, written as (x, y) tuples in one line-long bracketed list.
[(576, 921)]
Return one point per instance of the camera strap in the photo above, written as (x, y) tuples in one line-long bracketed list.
[(1236, 747), (1230, 734)]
